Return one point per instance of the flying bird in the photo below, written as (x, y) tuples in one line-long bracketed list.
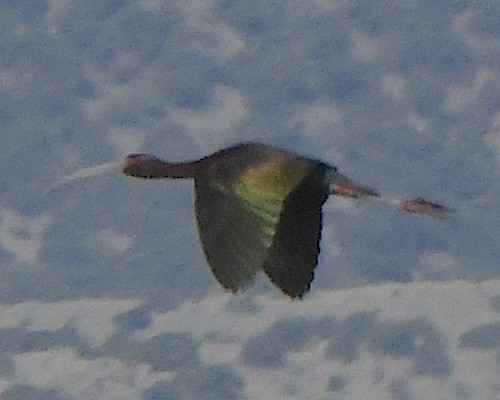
[(259, 208)]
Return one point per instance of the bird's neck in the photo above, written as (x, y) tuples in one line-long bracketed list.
[(183, 170)]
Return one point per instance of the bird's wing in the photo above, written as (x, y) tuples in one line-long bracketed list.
[(263, 219), (238, 218), (294, 252), (235, 234)]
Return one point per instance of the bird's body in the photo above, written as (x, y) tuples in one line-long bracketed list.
[(268, 212), (258, 208)]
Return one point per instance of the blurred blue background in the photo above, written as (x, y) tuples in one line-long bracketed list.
[(403, 96)]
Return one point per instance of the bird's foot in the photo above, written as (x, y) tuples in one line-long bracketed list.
[(419, 205)]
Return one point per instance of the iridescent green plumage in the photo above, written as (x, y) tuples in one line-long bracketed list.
[(266, 216)]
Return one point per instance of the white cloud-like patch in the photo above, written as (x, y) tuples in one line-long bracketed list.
[(22, 236), (93, 319), (438, 266), (461, 97), (493, 137), (115, 241), (461, 24), (227, 111), (200, 16), (126, 140), (365, 48), (319, 117), (14, 81), (105, 378), (431, 309), (395, 86), (420, 338)]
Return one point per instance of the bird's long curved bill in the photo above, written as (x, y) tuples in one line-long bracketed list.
[(83, 173)]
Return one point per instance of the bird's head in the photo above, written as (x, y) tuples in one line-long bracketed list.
[(140, 165)]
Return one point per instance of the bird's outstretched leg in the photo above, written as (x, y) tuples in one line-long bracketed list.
[(352, 189), (417, 205)]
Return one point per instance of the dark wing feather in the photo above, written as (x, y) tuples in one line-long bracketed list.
[(264, 214), (294, 253), (235, 236)]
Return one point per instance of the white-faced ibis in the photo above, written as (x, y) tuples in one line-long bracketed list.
[(258, 208)]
